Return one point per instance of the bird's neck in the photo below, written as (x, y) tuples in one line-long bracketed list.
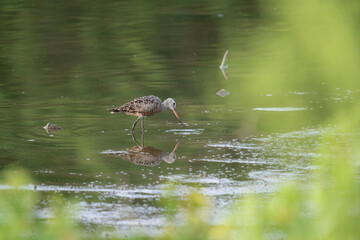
[(164, 106)]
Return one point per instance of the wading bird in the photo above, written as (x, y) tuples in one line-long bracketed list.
[(145, 107)]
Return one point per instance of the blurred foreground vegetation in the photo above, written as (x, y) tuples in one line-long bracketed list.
[(321, 45)]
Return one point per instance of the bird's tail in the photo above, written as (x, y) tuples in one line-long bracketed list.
[(114, 110)]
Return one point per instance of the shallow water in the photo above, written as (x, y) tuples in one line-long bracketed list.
[(68, 68)]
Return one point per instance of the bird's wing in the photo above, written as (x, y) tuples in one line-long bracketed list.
[(146, 105)]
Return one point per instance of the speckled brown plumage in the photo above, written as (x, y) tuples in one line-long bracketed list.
[(142, 106), (146, 106)]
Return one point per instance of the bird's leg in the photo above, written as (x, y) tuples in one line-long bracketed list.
[(133, 126), (142, 138), (143, 129), (133, 137)]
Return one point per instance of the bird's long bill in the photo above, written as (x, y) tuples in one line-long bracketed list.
[(177, 115), (176, 146)]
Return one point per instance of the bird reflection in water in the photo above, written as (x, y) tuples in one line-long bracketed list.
[(51, 128), (146, 155)]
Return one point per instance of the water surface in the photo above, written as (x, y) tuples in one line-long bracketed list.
[(67, 62)]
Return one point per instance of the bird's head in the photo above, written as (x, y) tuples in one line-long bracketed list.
[(170, 103)]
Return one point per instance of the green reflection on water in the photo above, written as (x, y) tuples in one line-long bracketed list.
[(67, 62)]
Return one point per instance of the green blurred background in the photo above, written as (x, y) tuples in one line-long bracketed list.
[(293, 75)]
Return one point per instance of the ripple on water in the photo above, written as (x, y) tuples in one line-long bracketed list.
[(235, 145), (186, 131), (127, 219), (136, 193), (275, 175), (113, 152), (208, 179), (280, 109), (246, 161)]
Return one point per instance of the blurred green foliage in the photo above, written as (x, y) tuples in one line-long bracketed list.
[(18, 216)]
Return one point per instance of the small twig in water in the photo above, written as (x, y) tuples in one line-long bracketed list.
[(223, 64)]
